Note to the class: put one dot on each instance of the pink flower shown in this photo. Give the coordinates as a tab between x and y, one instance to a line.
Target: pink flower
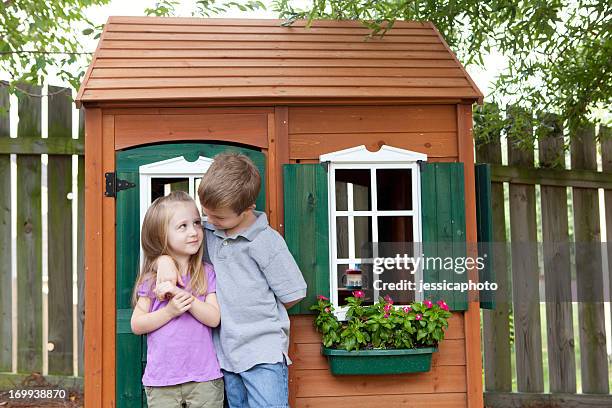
321	297
388	299
359	294
327	309
442	305
387	308
407	309
386	315
428	304
418	316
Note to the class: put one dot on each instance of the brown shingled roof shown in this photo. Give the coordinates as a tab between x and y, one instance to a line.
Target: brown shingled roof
155	58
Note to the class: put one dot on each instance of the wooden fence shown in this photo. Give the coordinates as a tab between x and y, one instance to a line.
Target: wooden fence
38	314
41	326
560	278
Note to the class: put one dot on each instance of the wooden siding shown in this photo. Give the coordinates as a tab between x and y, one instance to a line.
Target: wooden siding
314	386
153	58
429	129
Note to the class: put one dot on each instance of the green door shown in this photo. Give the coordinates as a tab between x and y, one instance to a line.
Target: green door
131	349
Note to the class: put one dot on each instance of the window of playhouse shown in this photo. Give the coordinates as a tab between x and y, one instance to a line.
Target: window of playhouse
374	214
162	186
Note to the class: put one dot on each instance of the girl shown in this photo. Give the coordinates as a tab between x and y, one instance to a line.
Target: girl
182	368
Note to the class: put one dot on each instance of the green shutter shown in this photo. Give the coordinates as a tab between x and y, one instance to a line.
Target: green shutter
307	228
443	226
484	220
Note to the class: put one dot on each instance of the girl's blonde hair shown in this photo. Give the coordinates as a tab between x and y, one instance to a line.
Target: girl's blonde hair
154	241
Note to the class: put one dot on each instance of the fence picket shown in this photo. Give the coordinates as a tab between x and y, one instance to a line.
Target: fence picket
496	322
593	357
605	136
29	231
6	296
60	229
557	274
525	274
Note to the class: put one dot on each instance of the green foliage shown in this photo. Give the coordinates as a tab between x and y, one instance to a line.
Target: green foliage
37	35
382	326
558	51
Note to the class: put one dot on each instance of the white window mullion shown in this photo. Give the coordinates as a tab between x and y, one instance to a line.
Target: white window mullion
333	275
416	227
351	221
374	189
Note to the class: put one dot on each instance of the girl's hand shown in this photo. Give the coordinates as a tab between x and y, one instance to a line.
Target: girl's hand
179	304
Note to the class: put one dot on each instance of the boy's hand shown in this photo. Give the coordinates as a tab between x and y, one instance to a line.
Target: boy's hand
167	272
163	289
179	304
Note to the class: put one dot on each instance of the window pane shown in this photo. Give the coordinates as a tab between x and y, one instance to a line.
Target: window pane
394	189
363	237
162	186
393	277
397	280
345	291
359	181
395	229
342	243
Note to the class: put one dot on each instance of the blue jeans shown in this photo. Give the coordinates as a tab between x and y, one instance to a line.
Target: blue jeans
262	386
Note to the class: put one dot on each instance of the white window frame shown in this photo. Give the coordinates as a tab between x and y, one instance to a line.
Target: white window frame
360	158
176	167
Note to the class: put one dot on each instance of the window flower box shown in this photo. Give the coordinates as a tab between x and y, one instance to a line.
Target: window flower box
388	361
381	338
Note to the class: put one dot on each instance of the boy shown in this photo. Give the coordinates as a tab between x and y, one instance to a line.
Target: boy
257	280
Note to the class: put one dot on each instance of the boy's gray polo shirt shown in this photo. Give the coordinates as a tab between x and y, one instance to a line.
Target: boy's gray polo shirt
256	274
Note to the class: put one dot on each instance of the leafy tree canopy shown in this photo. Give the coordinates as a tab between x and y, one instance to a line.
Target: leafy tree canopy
559	52
38	35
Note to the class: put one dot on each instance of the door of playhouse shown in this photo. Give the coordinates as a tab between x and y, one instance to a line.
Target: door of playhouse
154	171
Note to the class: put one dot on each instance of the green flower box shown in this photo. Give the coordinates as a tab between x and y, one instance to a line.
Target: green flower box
390	361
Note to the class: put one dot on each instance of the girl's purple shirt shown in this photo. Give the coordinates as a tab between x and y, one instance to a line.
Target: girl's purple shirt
182	350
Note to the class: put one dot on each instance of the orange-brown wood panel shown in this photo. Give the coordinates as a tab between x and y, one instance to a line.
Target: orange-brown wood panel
167	109
281	138
307	356
94	193
236	81
133	130
274	54
373	119
248	43
272	170
183	72
321	383
108	269
259	93
246	62
100	263
311	146
472	315
437	400
263	38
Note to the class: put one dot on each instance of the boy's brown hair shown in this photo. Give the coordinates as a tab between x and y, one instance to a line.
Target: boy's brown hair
232	181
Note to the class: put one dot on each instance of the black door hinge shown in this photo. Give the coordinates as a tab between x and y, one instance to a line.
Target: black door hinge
113	184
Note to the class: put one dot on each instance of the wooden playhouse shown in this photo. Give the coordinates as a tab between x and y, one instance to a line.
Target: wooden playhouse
387	123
